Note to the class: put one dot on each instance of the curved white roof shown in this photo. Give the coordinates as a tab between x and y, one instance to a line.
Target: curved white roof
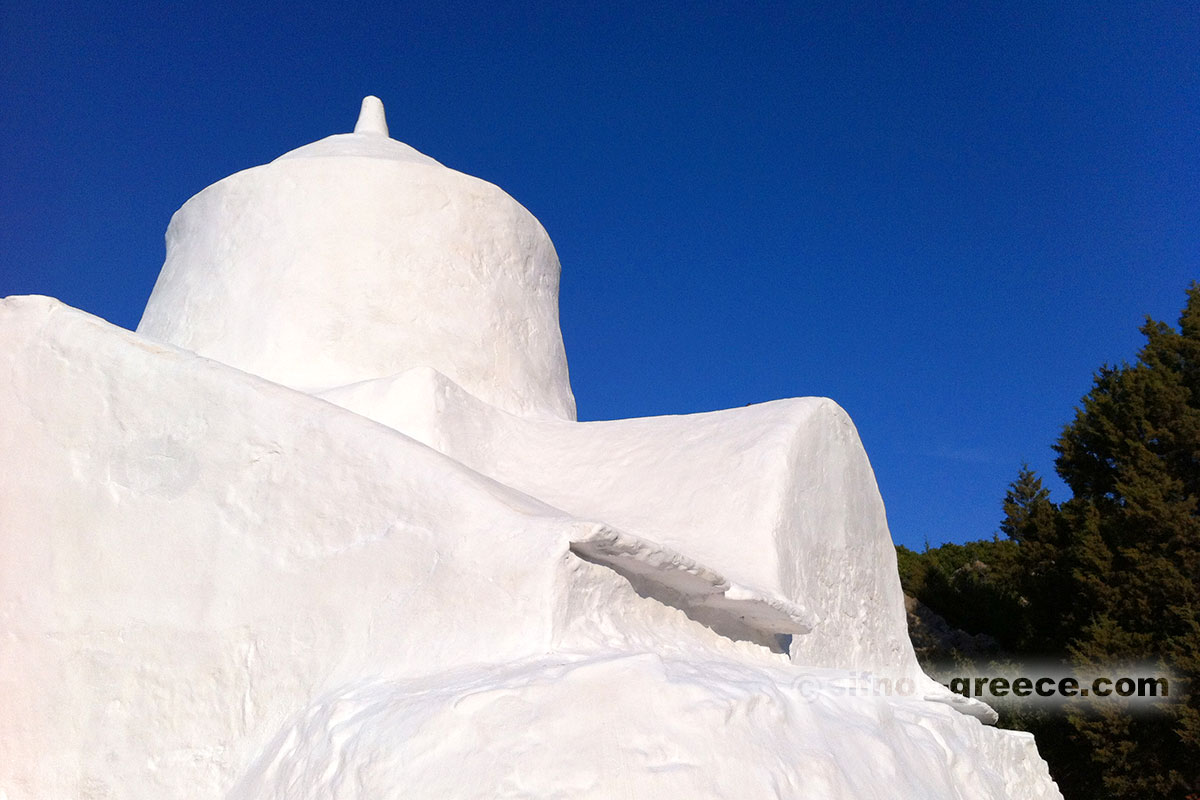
369	140
357	257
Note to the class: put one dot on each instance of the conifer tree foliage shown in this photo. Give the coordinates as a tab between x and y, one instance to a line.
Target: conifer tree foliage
1109	577
1043	568
1131	541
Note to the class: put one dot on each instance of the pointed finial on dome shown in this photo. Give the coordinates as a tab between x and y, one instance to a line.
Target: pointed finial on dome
371	118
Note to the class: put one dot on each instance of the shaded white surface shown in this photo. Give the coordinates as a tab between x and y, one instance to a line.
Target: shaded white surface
371	117
703	591
219	556
213	585
778	496
639	727
375	259
211	550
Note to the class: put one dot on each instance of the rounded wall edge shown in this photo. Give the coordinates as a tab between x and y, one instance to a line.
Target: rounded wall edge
321	272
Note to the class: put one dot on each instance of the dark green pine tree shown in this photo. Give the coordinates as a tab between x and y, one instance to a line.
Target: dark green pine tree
1113	574
1051	605
1045	568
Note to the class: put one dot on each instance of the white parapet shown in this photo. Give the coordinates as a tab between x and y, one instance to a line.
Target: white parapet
780	497
189	553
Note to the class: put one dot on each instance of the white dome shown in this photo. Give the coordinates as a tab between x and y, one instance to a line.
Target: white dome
357	257
369	140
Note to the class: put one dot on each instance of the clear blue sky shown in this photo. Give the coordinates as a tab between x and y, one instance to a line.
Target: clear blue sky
945	219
